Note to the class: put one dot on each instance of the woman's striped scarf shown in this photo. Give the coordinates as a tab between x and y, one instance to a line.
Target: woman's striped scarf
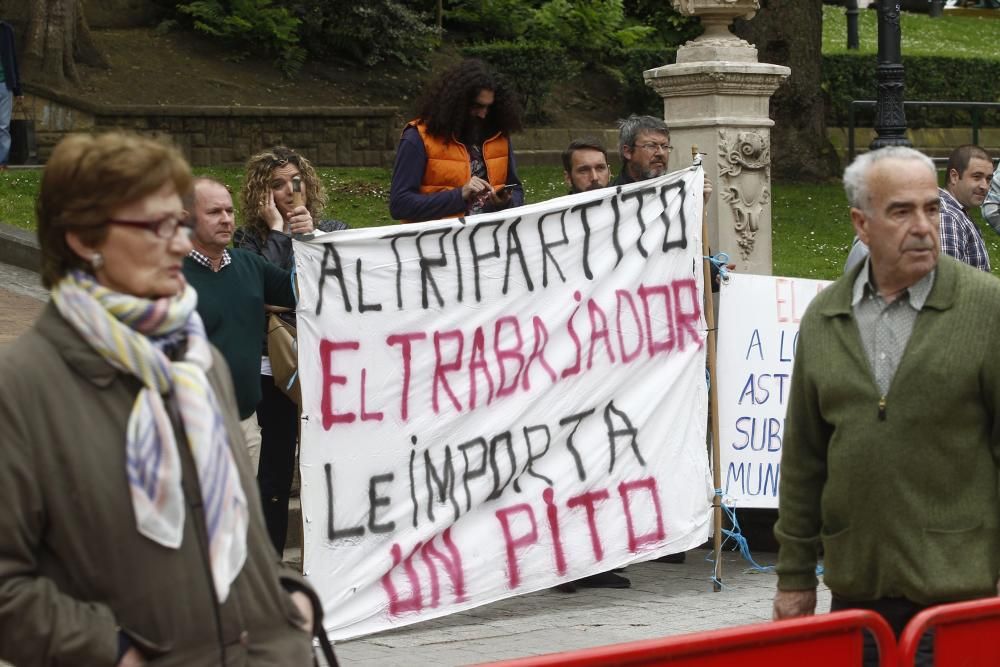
125	330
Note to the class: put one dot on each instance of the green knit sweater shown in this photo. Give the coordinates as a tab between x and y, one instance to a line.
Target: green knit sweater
904	501
231	304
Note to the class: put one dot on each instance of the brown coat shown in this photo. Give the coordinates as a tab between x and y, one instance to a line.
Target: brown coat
73	568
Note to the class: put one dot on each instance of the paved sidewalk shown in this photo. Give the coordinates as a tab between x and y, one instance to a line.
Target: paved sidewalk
21	300
664	600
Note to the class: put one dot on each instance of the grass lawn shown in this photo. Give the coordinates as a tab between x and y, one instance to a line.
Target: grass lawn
954	36
811	228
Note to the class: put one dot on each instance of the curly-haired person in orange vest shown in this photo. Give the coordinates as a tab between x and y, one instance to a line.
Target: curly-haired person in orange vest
456	156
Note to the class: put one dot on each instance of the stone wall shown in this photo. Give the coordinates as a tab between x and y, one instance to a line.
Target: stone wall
329	136
350	136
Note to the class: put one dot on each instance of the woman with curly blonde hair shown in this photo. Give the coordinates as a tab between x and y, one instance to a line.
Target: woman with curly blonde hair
271	218
266	196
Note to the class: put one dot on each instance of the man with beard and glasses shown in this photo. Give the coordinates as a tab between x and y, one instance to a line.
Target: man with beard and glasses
644	145
455	158
890	456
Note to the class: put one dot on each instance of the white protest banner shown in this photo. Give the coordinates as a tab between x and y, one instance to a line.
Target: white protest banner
495	405
758	331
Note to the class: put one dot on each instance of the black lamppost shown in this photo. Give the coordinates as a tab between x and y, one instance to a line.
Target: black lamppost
890	117
851	10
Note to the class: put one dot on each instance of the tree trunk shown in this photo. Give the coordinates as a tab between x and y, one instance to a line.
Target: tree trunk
58	36
790	33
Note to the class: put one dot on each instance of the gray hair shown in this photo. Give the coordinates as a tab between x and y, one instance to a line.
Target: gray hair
629	128
856	174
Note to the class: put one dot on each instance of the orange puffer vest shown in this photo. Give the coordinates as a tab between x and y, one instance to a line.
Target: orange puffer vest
448	161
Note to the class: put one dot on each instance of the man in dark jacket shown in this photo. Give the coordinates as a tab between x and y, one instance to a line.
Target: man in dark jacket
10	88
644	145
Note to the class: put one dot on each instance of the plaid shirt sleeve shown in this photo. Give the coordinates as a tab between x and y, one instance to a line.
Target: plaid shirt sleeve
991	207
960	237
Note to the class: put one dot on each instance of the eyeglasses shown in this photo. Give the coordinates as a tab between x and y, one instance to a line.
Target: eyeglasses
165	228
652	147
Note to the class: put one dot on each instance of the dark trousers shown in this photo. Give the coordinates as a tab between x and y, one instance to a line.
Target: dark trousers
898	612
278	417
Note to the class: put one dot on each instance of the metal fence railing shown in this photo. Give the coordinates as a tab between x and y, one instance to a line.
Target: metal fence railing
974	108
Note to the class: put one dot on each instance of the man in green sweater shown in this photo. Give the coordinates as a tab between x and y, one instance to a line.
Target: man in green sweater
892	437
233	288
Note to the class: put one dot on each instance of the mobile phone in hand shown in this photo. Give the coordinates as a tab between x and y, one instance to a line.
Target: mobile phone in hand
298	197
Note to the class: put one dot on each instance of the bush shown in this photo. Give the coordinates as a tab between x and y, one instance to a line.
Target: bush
250	25
489	20
366	32
637	96
672	27
557	38
588	31
853	77
529	69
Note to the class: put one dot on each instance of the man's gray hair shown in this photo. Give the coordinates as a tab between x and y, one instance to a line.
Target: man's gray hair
856	174
629	128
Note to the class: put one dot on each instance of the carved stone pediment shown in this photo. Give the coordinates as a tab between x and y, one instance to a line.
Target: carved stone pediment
745	178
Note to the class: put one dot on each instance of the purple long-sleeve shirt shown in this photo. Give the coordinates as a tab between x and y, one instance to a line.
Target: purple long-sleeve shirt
405	199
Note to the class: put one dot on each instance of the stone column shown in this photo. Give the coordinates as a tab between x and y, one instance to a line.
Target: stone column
716	97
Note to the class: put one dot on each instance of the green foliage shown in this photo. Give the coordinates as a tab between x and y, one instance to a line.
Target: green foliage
250	25
488	20
812	232
366	32
672	27
530	69
637	96
548	40
811	226
947	58
18	191
847	77
956	36
589	30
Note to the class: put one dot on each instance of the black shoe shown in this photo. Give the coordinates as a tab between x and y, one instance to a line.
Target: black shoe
568	587
671	558
604	580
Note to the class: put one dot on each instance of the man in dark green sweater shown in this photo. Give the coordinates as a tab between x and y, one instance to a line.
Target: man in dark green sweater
892	436
233	288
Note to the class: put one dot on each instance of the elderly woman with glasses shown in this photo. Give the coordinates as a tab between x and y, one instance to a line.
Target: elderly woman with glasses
131	530
281	197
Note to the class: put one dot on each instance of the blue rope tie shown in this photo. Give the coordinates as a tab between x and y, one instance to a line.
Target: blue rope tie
743	546
720	262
